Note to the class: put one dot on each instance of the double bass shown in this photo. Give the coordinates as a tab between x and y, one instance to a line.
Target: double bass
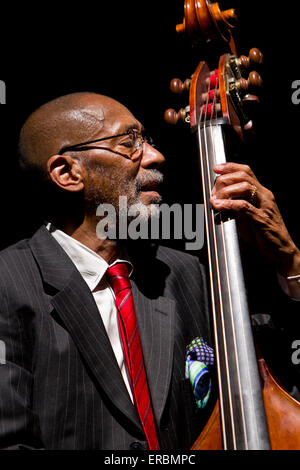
253	411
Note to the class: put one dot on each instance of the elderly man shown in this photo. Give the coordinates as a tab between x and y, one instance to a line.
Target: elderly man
96	333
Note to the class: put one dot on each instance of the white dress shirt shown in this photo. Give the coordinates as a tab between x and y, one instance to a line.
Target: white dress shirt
93	267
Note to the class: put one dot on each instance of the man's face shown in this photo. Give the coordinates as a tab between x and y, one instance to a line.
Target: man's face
114	167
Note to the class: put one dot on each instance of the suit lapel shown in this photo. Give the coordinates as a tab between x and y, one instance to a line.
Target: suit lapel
75	306
155	318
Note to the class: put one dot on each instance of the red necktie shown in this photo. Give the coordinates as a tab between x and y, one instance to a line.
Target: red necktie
119	279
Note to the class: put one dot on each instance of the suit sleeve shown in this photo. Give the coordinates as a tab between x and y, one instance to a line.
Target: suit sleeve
18	424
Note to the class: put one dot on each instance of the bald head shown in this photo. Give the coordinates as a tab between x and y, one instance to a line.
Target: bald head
64	121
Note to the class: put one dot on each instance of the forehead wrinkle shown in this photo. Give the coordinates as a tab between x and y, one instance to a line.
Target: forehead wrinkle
120	127
118	118
88	122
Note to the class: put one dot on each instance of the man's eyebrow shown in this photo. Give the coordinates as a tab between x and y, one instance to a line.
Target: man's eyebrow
133	127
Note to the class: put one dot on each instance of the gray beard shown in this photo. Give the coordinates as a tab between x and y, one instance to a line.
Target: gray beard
134	207
97	196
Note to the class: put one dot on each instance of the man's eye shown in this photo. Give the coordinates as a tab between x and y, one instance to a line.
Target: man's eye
128	143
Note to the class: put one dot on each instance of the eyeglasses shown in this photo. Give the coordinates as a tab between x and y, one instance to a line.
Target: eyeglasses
134	144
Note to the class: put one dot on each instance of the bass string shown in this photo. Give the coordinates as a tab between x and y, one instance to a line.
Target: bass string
210	238
213	259
209	161
237	357
233	329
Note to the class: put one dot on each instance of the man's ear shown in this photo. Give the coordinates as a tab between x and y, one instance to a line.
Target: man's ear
66	172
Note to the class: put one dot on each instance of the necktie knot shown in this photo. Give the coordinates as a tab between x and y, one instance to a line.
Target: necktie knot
118	276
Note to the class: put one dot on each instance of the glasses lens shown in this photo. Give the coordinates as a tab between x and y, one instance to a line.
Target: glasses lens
138	143
137	139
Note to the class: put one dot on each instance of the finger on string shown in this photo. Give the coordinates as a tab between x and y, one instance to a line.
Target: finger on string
232	178
240	190
236	205
229	167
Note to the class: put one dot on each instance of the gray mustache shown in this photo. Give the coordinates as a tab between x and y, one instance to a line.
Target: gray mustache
149	177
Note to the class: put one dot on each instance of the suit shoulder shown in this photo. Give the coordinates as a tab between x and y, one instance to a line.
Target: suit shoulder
14	250
13	259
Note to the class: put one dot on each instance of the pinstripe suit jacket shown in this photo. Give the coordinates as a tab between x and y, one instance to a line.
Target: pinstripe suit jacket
61	387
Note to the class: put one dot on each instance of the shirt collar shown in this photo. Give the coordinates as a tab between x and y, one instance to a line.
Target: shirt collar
91	266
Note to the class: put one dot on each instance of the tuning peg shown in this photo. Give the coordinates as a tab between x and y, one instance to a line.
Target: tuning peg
178	87
253	83
180	28
255	57
229	15
172	117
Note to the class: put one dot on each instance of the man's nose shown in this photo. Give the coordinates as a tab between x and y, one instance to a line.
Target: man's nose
151	158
